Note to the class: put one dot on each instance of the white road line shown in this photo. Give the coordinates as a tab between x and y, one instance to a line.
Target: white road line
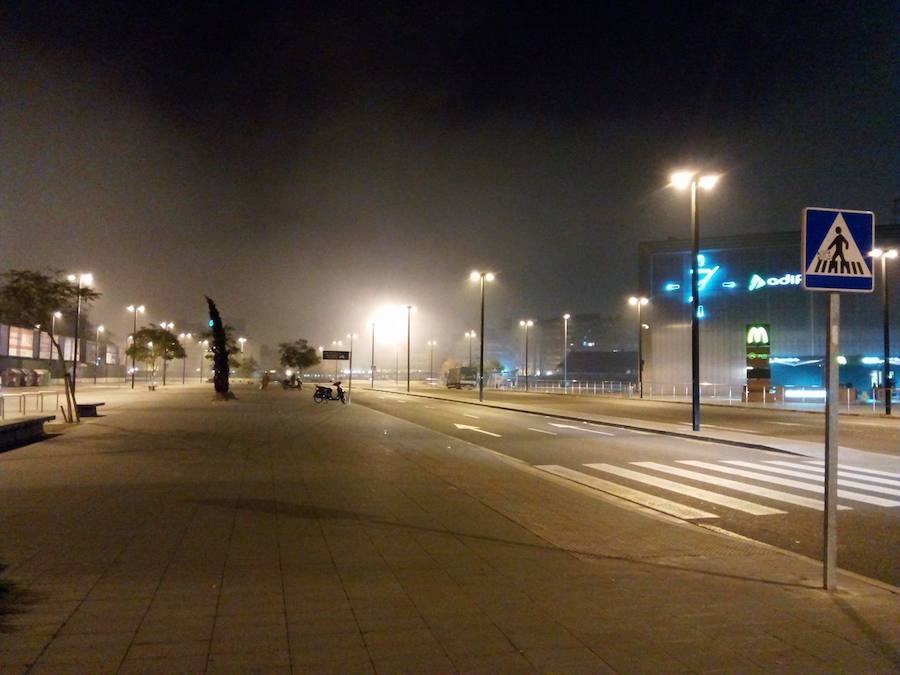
809	487
629	494
857	468
474	417
696	493
777	495
542	431
841	474
743	431
800	474
477	429
577	428
789	424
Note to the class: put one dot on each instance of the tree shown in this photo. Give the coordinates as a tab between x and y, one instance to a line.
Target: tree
30	298
221	352
231	344
152	343
248	367
297	355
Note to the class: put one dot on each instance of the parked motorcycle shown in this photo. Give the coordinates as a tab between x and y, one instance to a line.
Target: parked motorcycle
323	393
291	382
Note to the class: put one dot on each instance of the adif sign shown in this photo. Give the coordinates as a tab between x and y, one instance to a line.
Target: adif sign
757	282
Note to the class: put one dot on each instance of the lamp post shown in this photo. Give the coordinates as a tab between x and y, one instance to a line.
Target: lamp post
470	334
53	318
350	337
84	279
241	341
431	343
526	324
165	326
683	180
372	370
409	310
100	329
203	347
481	277
885	308
135	310
639	302
336	343
566	318
184	337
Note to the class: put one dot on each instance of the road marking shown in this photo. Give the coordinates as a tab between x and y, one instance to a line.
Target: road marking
543	431
480	431
474	417
809	487
789	424
697	493
743	431
577	428
802	474
629	494
841	474
859	469
757	490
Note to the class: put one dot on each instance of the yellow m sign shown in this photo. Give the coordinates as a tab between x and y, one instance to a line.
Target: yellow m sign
758	335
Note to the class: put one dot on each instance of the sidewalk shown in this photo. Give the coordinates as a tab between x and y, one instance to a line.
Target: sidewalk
273	535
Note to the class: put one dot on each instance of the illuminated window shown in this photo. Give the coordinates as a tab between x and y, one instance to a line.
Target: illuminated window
21	342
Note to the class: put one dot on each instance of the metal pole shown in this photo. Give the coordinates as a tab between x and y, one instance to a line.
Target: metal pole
408	325
526	357
431	367
97	358
566	354
481	350
886	375
640	353
350	379
469	335
133	348
695	309
75	351
372	372
831	441
183	367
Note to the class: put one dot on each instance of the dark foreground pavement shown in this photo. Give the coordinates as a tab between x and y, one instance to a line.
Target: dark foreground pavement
274	535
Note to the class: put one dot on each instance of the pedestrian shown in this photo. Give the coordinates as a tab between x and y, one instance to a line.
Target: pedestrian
264	382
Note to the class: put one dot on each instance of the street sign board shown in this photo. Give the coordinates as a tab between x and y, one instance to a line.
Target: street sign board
835	250
335	356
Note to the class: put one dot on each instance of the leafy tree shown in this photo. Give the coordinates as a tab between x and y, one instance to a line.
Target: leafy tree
297	355
29	298
492	366
154	343
221	353
231	345
248	367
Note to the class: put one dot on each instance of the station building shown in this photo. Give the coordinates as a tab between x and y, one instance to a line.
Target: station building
750	285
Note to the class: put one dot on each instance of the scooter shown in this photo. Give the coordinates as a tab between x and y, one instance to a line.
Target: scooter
323	393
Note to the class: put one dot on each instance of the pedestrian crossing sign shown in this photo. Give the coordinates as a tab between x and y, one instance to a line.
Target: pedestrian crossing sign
836	245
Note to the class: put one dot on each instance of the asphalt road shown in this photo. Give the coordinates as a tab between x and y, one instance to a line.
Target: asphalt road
767	496
871	433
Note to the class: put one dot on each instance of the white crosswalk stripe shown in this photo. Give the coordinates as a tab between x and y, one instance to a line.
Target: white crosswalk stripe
788	482
737	486
842	477
818	470
858	469
690	491
630	494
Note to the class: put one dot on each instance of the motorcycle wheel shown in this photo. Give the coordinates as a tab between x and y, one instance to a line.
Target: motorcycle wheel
317	398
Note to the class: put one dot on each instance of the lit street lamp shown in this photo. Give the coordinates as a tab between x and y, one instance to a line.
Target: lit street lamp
350	337
204	347
165	326
242	340
566	318
886	368
135	310
53	318
481	277
84	280
639	302
683	180
470	334
432	343
100	329
526	324
336	343
372	371
184	337
409	310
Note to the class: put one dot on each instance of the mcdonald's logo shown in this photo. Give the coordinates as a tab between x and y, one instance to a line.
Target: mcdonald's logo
758	335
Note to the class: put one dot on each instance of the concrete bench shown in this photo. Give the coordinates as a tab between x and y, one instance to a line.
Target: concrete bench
88	409
21	431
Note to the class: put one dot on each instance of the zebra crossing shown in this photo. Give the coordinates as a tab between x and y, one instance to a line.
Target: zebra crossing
870	487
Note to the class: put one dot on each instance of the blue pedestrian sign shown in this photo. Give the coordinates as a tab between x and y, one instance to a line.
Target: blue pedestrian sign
836	245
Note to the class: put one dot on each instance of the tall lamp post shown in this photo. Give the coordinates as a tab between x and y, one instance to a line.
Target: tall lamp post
481	277
84	280
469	335
638	303
53	318
338	344
431	344
165	326
885	308
682	180
409	310
350	337
100	329
372	367
566	318
135	310
241	341
204	345
526	324
184	337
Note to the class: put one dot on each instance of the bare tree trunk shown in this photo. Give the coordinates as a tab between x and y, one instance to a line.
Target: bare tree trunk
71	403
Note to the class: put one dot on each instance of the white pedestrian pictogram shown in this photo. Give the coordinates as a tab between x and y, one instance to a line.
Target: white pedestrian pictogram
838	254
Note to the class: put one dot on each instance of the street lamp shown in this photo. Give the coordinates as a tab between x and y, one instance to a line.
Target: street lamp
184	337
100	329
204	346
470	334
639	302
432	343
135	310
84	279
165	326
886	372
242	340
409	310
53	318
372	369
481	277
336	343
566	318
350	337
682	180
526	324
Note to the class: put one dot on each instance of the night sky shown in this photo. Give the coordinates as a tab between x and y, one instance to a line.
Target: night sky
303	163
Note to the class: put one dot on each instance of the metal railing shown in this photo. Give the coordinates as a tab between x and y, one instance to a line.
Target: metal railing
37	399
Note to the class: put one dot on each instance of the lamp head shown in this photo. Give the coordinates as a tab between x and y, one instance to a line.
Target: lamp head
100	329
57	315
891	254
567	316
708	182
682	179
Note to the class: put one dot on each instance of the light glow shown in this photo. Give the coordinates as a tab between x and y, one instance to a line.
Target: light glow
682	179
803	393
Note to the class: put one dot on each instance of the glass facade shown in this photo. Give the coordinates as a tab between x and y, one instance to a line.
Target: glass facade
21	342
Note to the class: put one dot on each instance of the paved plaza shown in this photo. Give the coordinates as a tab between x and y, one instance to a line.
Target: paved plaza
274	535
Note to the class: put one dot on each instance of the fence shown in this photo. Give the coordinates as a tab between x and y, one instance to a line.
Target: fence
38	400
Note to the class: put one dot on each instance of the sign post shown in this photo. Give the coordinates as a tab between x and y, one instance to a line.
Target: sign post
834	261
